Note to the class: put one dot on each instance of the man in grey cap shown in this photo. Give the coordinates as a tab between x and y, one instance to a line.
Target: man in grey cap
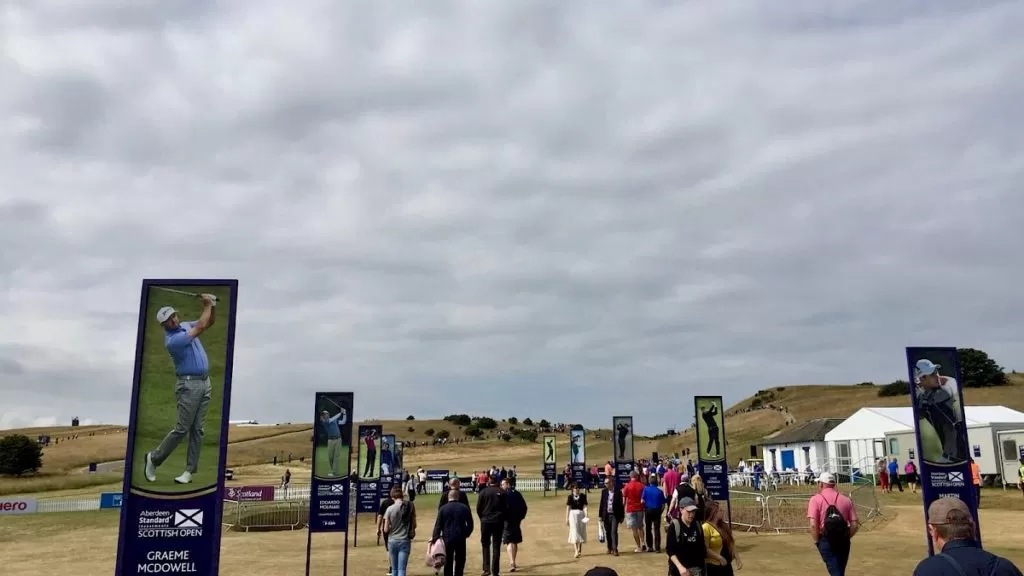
193	389
953	533
938	402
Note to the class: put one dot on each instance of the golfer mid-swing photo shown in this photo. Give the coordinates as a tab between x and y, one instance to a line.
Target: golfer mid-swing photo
708	415
332	427
192	388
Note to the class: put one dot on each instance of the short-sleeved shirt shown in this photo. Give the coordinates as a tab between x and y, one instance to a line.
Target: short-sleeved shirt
401	527
186	352
632	493
576	503
712	538
384	505
820	502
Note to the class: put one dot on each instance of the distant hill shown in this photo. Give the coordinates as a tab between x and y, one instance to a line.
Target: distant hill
750	420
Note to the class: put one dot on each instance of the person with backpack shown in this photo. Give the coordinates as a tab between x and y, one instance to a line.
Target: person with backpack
400	526
684	542
833	522
952	530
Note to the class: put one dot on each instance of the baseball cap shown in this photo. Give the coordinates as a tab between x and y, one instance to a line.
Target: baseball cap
826	478
687	504
164	313
949	511
926	367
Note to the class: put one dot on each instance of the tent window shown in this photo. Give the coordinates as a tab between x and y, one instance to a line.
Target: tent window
1010	450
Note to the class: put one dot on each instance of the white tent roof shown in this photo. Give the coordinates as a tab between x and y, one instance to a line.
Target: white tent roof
870	423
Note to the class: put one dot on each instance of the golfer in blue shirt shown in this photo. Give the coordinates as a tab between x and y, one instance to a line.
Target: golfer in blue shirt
332	426
653	499
192	390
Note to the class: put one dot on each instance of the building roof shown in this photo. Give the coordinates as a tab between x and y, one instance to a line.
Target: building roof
810	431
877	422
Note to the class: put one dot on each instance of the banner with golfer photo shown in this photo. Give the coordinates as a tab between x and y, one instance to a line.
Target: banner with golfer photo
178	427
622	448
332	447
940	427
711	459
387	463
577	455
548	458
368	487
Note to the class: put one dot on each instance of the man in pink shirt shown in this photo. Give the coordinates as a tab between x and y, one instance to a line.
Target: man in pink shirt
669	482
832	522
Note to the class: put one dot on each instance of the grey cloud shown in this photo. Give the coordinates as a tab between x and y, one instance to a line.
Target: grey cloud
524	201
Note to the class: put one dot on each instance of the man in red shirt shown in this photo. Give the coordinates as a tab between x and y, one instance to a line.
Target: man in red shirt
632	493
832	522
669	482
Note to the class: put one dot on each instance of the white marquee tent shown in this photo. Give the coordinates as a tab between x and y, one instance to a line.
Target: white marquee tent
860	439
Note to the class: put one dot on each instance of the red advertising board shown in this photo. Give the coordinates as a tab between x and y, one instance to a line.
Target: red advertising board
249	493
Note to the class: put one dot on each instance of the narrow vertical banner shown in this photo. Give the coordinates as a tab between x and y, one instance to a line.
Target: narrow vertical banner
332	447
368	488
548	461
578	454
711	458
387	464
178	428
940	426
622	448
399	458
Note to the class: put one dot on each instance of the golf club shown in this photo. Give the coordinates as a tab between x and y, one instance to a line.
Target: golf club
182	292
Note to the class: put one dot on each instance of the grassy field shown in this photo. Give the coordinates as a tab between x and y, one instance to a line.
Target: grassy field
47	543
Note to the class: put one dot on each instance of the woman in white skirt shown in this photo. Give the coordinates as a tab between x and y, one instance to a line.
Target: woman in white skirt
576	518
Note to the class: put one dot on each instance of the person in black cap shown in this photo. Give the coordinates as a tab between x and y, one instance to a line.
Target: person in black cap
684	542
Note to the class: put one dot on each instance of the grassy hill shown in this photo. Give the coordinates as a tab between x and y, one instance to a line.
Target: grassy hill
750	420
254	447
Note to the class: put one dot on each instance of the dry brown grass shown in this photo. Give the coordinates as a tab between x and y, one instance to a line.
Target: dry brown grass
47	543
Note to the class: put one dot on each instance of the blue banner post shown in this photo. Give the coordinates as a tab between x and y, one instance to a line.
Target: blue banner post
548	463
936	394
622	445
711	448
173	481
368	479
578	455
331	484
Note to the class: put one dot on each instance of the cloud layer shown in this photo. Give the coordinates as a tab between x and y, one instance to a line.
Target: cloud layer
517	209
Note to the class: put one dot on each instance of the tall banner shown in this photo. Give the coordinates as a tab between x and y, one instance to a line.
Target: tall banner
938	401
548	461
711	458
622	432
387	464
368	487
178	428
399	458
578	454
332	445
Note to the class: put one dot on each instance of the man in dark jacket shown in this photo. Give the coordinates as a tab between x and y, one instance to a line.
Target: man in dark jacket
453	484
454	525
951	527
491	509
515	513
611	511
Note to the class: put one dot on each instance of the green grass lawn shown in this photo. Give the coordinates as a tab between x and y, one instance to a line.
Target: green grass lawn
321	467
157	412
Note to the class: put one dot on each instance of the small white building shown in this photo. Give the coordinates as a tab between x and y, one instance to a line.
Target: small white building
873	433
798	447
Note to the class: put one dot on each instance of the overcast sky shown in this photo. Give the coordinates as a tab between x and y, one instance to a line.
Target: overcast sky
552	209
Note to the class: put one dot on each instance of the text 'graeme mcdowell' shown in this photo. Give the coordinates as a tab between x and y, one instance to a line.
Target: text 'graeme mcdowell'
168	562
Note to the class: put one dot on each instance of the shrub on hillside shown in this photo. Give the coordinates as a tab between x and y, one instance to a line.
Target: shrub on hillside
513	420
896	388
544	424
20	455
473	431
756	403
410	417
978	370
442	434
866	384
411	429
485	423
527	422
429	431
528	435
780	389
459	419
